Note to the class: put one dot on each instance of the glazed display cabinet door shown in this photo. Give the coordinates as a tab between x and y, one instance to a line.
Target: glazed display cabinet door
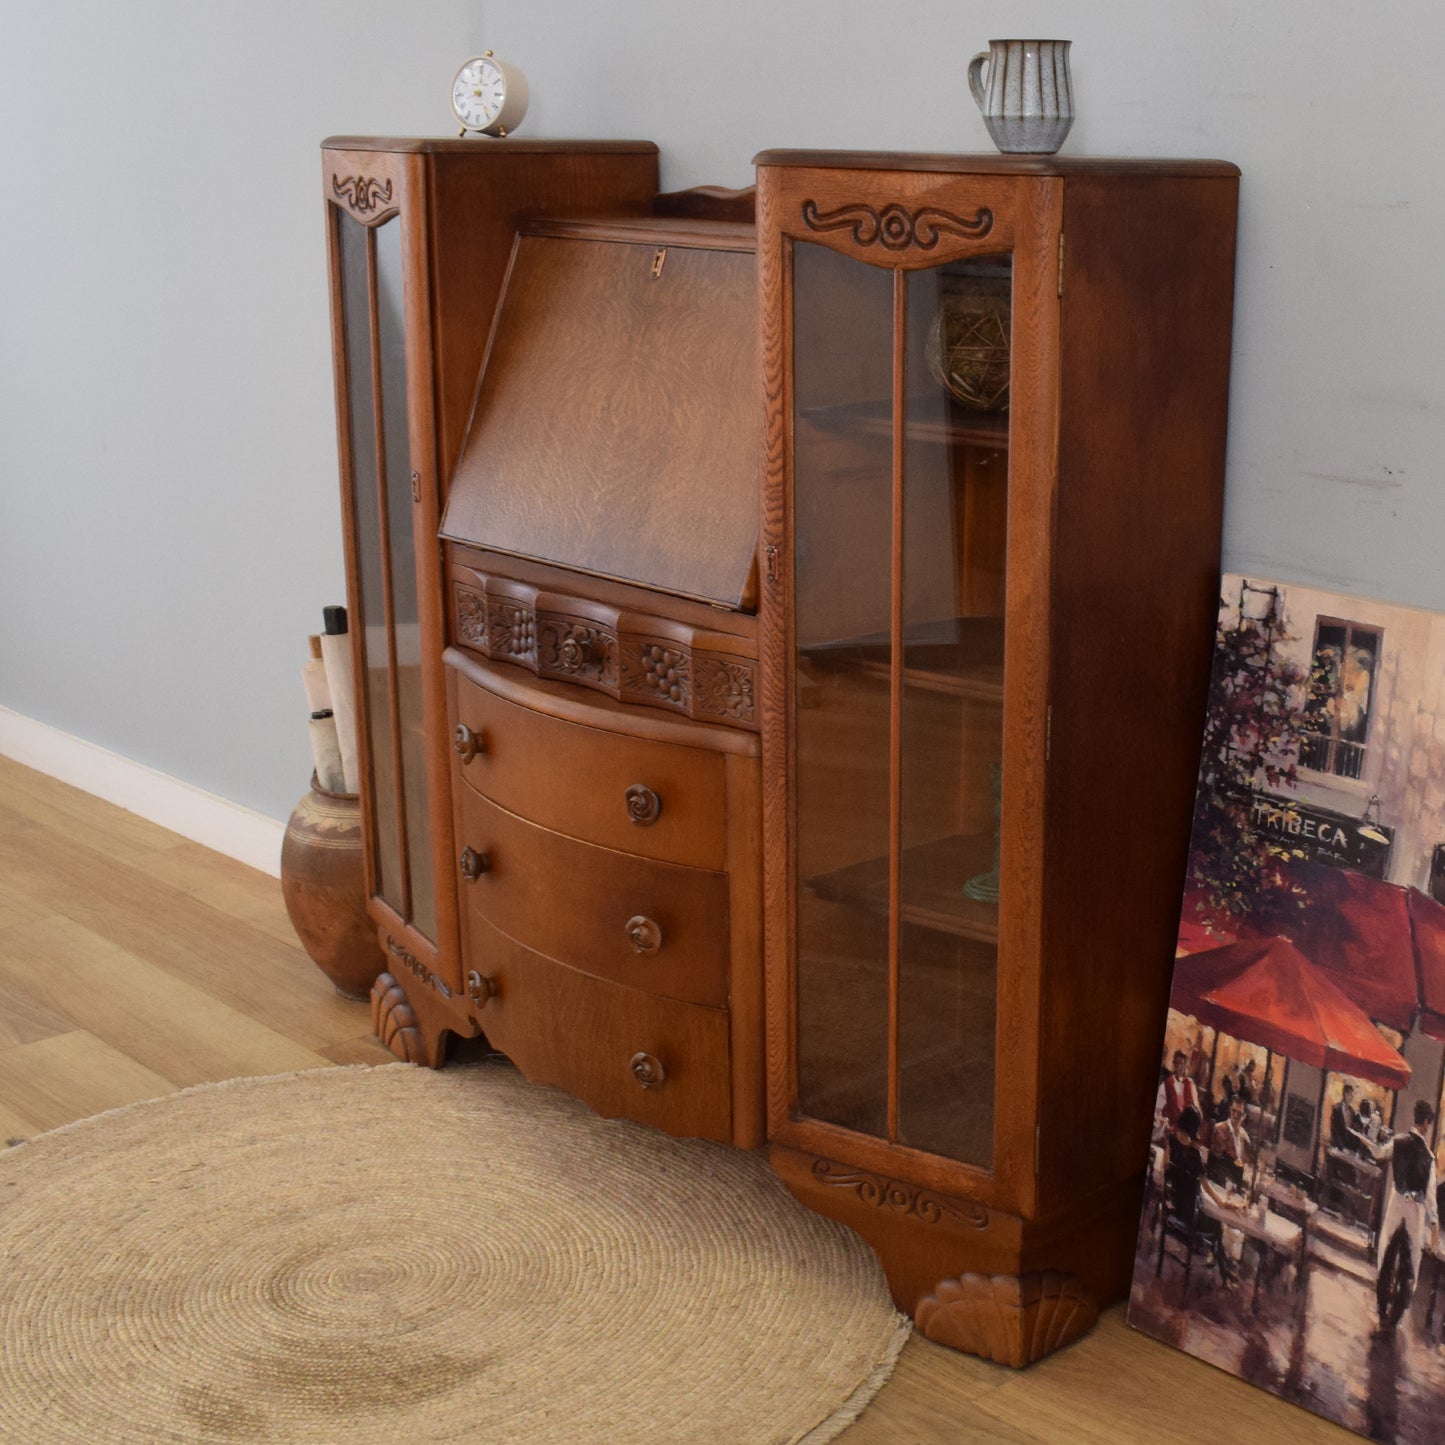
903	556
899	580
374	317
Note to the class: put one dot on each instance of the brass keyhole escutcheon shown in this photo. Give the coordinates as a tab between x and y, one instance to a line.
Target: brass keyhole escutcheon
648	1071
643	934
474	864
644	807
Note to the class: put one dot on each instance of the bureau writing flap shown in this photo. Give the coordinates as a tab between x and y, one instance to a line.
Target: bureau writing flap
617	422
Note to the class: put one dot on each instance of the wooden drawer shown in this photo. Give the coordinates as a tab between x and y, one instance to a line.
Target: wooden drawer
653	926
654	799
585	1035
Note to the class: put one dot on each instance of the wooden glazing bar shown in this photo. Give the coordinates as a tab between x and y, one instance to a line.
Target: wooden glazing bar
895	697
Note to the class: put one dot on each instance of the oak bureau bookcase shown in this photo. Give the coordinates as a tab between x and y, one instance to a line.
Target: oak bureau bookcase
784	633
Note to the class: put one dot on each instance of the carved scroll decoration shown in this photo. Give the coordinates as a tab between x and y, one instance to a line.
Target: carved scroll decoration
1013	1319
362	194
416	967
901	1198
895	227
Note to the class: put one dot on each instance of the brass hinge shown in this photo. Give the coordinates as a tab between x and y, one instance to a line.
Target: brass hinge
1048	732
1061	263
771	552
416	486
658	262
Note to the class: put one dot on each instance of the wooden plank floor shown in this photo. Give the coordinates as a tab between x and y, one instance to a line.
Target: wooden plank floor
134	962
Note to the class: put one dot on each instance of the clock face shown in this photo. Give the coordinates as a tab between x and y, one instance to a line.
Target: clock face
479	92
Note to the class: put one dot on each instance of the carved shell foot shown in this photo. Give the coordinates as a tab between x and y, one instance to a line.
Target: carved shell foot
394	1022
1013	1319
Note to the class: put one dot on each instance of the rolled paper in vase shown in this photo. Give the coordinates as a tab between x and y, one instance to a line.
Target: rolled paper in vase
336	654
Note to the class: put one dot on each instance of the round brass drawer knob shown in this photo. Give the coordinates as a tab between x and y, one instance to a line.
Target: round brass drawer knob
467	743
648	1071
644	807
474	864
480	988
643	934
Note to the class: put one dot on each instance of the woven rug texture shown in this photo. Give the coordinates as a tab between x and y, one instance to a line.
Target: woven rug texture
395	1254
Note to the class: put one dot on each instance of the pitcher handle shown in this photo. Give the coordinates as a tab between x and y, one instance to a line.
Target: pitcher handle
975	84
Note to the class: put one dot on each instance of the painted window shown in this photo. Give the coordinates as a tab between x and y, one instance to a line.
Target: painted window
1341	697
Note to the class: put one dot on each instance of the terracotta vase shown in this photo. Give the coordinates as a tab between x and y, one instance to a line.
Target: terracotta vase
325	891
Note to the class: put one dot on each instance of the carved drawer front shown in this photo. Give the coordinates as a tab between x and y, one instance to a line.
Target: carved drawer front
654	926
657	800
624	1052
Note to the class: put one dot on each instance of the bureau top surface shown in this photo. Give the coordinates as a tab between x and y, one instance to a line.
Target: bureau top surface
995	165
455	145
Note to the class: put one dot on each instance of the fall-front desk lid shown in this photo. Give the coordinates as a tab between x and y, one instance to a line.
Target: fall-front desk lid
617	420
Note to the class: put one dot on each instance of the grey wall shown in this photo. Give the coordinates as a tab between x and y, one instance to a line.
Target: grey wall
168	517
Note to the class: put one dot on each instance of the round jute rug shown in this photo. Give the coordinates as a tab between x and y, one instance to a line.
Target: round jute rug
396	1255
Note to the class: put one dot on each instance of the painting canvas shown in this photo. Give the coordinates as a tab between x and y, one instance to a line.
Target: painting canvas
1290	1229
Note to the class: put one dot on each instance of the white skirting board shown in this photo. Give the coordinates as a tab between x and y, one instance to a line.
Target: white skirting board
200	816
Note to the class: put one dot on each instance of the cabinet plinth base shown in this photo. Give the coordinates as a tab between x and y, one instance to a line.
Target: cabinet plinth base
977	1278
1010	1319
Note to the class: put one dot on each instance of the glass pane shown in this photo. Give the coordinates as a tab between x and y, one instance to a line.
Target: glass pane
842	509
361	423
951	731
402	543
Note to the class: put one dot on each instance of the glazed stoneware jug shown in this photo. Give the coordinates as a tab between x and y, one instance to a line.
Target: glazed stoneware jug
1027	99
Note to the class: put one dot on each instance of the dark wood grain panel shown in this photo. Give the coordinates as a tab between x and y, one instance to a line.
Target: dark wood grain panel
1144	357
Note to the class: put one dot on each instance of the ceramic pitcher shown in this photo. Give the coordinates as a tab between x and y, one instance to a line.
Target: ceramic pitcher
1027	100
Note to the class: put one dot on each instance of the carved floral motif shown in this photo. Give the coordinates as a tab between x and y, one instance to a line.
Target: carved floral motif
661	673
895	227
577	650
725	689
472	618
901	1198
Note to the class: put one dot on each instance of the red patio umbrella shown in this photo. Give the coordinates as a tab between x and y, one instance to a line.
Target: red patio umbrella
1265	991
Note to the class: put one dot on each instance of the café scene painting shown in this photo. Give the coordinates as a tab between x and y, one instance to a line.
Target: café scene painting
1291	1231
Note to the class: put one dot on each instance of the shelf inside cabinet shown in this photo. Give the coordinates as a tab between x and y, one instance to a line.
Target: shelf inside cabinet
962	657
874	417
933	875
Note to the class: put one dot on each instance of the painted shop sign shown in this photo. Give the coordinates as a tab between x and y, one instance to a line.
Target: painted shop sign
1324	836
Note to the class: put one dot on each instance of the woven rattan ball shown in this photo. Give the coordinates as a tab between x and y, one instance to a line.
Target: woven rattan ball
968	348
